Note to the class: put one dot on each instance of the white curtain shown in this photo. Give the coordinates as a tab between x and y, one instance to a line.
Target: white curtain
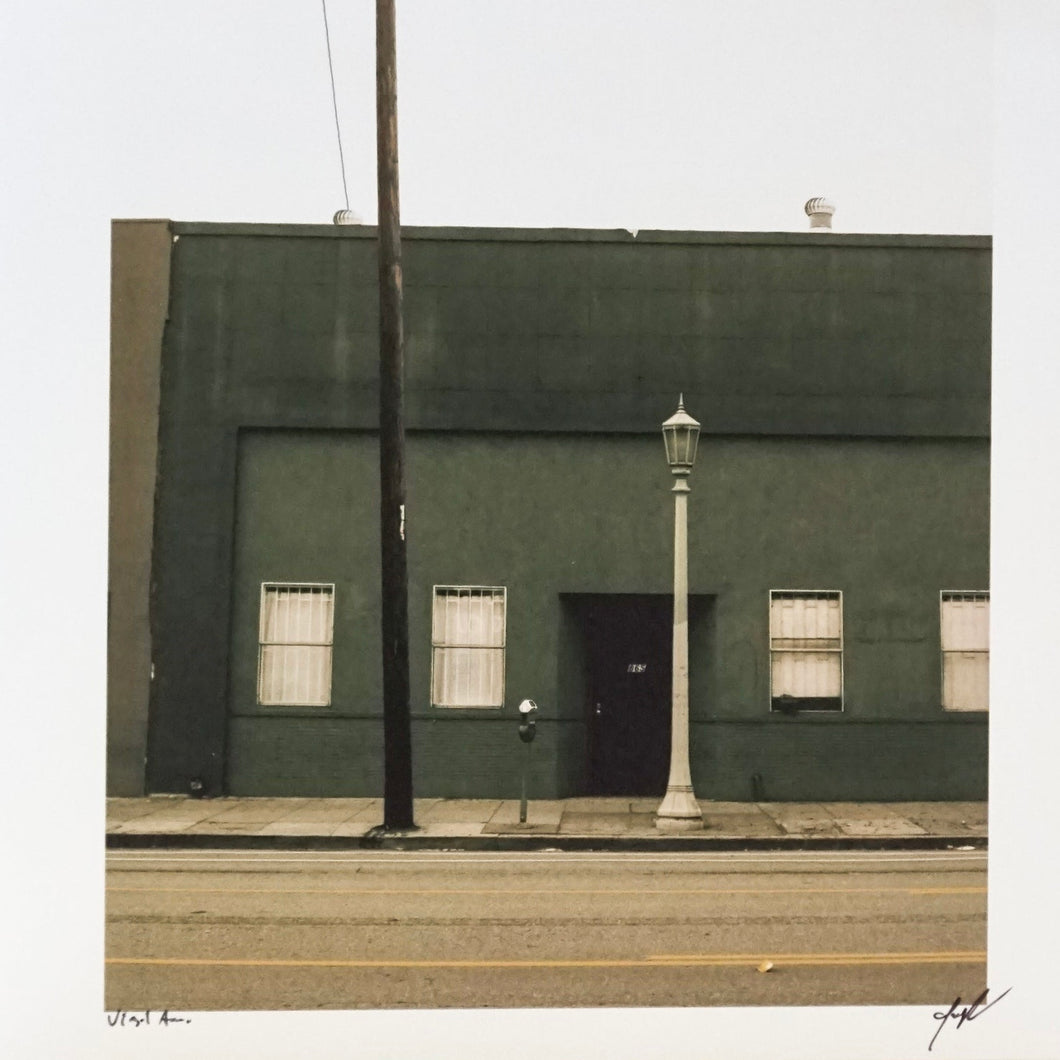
806	641
468	647
966	651
294	664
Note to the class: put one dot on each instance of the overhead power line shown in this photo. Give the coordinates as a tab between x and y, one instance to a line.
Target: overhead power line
335	104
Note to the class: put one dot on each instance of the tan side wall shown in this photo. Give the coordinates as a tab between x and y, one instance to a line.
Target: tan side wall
139	307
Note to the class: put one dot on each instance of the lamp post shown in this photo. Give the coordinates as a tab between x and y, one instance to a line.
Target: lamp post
679	811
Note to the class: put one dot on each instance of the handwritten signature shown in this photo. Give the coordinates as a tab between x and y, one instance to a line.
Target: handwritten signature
122	1018
967	1014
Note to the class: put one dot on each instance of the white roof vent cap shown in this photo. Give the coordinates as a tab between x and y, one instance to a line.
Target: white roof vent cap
347	217
820	212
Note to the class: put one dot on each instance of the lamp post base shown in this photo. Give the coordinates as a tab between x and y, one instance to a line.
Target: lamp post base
679	812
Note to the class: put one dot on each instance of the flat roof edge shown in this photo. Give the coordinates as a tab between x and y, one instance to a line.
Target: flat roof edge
584	235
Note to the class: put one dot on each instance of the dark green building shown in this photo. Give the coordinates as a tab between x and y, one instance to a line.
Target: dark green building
838	520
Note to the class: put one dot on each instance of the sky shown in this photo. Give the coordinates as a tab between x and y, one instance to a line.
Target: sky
933	116
670	114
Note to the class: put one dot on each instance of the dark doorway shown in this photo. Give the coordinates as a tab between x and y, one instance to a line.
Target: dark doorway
629	656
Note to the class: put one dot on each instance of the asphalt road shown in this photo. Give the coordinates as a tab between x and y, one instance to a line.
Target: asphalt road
196	931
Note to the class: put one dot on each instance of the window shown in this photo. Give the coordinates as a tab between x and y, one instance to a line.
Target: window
965	619
467	646
806	650
294	645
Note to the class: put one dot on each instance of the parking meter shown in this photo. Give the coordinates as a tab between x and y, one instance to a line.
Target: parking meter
527	720
527	732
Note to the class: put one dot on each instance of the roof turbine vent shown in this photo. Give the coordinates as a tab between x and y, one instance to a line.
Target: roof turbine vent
347	217
820	212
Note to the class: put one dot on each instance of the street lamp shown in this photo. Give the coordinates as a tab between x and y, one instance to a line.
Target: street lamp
679	811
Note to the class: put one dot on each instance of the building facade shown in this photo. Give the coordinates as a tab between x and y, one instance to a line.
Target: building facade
838	519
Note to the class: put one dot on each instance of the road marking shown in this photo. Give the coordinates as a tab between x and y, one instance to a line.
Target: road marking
947	890
413	858
823	959
719	960
544	893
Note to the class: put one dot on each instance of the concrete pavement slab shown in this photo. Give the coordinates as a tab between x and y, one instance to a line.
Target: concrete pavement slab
600	804
870	819
329	814
183	808
174	819
873	826
801	818
531	827
740	824
955	818
863	809
642	824
325	811
596	823
724	808
302	828
420	805
119	809
212	827
460	811
450	829
739	818
263	810
542	815
357	826
370	810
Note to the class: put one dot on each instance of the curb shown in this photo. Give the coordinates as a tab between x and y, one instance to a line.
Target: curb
511	843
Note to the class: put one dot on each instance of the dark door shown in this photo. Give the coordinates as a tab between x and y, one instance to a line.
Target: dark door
629	653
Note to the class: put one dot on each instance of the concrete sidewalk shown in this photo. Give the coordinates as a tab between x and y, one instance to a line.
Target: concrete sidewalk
572	824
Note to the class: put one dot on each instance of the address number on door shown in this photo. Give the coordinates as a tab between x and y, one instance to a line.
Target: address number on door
636	668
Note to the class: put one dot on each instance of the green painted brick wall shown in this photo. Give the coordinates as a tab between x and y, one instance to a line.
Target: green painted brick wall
884	521
843	374
524	330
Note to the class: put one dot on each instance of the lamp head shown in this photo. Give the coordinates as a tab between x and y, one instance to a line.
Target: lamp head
528	706
681	436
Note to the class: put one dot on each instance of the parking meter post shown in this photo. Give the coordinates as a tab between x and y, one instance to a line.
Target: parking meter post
527	731
522	800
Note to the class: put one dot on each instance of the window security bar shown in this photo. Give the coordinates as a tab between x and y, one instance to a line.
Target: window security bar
295	643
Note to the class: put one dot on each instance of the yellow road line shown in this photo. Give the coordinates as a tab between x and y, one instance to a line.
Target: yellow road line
823	959
946	890
546	893
692	960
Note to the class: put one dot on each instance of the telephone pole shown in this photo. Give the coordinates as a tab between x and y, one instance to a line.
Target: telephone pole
397	735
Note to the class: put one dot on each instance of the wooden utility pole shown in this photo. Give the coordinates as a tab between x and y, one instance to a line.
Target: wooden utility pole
397	735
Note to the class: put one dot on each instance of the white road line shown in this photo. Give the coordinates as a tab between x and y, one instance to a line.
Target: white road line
397	858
